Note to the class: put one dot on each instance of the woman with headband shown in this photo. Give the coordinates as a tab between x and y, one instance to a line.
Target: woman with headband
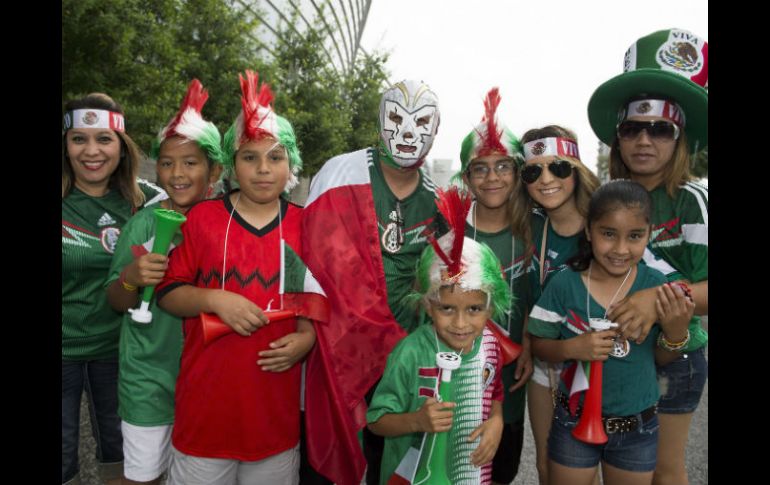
654	116
100	192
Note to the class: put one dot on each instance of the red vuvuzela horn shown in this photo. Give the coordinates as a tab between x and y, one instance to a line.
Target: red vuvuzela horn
590	428
214	327
510	349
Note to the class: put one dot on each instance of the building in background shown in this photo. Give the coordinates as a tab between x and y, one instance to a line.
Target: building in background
339	22
440	171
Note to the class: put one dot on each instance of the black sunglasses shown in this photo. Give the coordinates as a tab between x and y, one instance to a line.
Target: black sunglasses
660	129
560	168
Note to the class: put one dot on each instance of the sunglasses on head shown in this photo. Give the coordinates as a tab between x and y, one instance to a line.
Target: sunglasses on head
660	129
559	168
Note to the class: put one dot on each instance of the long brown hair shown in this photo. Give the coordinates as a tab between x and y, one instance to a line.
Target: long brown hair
521	204
675	174
123	178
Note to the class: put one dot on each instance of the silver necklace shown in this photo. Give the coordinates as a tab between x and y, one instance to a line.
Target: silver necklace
619	349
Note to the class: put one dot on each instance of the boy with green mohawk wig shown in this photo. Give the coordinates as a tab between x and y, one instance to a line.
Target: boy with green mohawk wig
460	285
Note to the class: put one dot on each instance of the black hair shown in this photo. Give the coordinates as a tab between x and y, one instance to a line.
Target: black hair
609	197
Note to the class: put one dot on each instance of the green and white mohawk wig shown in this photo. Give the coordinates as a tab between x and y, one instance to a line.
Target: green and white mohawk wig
189	123
454	259
490	137
257	120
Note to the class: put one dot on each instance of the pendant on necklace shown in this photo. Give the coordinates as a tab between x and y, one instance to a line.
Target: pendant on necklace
620	348
393	235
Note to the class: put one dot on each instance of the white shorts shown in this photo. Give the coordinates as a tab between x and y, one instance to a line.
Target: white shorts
280	469
146	451
540	374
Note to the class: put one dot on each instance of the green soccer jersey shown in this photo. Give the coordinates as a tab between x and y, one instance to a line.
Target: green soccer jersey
149	352
502	244
559	249
90	229
400	224
679	242
629	384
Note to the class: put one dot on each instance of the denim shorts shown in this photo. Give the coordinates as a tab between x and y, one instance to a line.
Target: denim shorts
634	451
681	383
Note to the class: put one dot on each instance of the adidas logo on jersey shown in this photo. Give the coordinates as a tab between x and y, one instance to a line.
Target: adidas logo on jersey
105	220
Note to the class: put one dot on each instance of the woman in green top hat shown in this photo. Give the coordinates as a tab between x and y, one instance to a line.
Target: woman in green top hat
654	116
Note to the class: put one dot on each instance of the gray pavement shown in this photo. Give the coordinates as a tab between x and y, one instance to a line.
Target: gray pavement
697	449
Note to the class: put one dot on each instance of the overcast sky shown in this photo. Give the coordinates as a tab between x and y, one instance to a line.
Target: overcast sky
547	57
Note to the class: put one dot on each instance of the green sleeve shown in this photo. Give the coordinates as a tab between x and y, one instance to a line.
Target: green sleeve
694	213
392	395
548	314
133	232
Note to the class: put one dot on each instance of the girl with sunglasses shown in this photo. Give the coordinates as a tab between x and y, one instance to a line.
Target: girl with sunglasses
662	107
548	208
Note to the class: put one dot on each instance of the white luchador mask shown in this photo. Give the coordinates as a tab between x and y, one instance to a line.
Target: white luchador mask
409	119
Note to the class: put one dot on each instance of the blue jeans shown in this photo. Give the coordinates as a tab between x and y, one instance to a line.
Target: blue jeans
635	451
99	378
681	383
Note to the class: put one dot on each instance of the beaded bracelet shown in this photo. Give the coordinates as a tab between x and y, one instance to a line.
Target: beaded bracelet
663	343
683	286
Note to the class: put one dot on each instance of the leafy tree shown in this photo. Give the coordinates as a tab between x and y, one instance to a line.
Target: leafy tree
700	163
363	90
603	162
143	53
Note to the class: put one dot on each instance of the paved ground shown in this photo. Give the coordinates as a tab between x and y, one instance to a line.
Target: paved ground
697	450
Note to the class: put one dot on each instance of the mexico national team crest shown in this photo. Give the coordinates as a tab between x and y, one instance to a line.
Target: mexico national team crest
488	375
393	235
109	238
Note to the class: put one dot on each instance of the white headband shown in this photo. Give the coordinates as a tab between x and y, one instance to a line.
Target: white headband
94	118
544	147
654	107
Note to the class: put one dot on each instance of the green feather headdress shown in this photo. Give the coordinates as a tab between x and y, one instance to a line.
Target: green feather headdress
189	123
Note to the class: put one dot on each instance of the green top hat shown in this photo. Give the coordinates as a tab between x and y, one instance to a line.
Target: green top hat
670	64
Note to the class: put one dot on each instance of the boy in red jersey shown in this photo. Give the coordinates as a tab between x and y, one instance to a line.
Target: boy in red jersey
237	408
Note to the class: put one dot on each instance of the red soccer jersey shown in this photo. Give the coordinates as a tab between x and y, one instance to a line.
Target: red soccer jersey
226	406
